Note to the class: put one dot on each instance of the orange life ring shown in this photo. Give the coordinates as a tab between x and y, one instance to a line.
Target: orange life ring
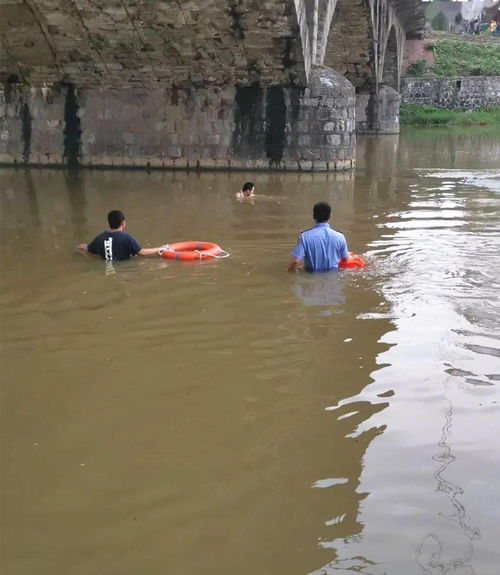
191	251
353	261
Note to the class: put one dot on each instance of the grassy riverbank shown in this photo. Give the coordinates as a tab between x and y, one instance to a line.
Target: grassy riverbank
457	56
465	58
416	115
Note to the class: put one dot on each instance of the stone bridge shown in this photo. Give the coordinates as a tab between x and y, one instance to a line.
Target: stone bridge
282	84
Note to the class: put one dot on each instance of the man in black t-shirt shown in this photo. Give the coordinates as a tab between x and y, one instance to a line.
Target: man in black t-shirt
117	244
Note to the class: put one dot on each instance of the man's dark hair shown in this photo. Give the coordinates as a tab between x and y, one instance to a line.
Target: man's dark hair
247	187
322	212
115	218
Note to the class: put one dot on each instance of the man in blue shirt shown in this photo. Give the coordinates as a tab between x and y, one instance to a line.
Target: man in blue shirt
320	247
117	244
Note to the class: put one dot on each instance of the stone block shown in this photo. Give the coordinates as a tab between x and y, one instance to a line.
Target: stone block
236	163
220	151
322	113
207	163
309	102
207	153
306	114
213	139
317	140
168	163
333	140
302	126
261	164
128	138
320	166
174	152
180	162
155	162
192	152
330	102
226	139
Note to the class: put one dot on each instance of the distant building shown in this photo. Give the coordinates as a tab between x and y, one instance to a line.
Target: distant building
445	17
453	16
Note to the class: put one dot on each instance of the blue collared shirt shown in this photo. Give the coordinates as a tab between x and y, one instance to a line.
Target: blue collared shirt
321	248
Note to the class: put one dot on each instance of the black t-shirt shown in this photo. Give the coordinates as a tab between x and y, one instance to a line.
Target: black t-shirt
114	245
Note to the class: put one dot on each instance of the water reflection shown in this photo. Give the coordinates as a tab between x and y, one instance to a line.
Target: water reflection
319	289
442	554
32	199
75	186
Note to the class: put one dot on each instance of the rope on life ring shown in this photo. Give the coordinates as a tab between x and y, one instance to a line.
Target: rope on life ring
192	251
353	261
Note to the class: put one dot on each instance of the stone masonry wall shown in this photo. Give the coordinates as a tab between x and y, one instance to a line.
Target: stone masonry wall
378	113
32	125
127	43
467	93
217	127
323	130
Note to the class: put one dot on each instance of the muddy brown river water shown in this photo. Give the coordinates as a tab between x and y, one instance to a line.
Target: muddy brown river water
227	417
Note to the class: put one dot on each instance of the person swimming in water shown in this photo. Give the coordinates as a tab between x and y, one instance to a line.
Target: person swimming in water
247	191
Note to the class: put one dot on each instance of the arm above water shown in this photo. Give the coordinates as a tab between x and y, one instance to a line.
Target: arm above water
344	253
137	250
82	248
293	265
298	255
151	251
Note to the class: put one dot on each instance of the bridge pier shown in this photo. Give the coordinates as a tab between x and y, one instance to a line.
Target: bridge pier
323	137
251	127
378	113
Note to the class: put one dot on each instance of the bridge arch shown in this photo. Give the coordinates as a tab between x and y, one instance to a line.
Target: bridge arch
129	43
365	43
349	46
391	69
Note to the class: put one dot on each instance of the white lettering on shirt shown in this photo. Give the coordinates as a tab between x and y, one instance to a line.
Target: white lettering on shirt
108	249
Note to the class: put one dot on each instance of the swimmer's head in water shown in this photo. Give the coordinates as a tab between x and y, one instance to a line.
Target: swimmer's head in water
247	189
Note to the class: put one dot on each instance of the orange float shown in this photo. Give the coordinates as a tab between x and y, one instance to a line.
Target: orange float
191	251
353	261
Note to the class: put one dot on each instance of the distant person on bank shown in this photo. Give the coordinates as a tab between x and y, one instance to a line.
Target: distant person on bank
247	191
320	248
116	244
